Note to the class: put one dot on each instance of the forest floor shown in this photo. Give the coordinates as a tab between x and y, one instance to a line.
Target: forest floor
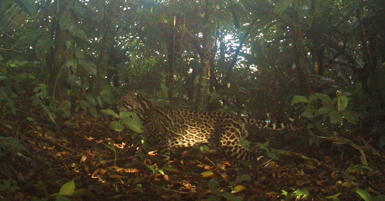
86	160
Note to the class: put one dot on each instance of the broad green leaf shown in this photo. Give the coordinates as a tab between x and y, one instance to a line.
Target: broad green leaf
73	64
84	193
91	99
245	143
107	95
348	115
93	111
322	111
28	6
299	99
80	34
280	8
213	185
74	81
24	76
84	104
116	126
364	194
308	114
335	117
134	124
79	53
128	114
65	23
2	77
43	46
272	155
342	102
89	67
379	198
13	143
62	198
50	115
323	97
68	188
111	147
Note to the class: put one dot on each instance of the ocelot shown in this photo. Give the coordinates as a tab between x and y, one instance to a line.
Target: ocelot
167	129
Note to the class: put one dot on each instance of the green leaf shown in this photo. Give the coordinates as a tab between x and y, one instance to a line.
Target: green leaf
65	23
110	147
272	155
79	53
68	188
12	143
280	8
116	126
379	198
84	193
308	114
91	99
135	123
89	67
303	193
322	111
84	104
43	46
348	115
93	111
28	6
364	195
73	64
110	112
62	198
323	97
299	99
80	34
74	81
342	102
50	115
335	117
286	194
213	185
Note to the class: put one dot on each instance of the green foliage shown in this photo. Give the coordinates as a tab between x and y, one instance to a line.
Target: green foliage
217	195
320	107
299	193
8	144
8	185
129	119
367	197
68	192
